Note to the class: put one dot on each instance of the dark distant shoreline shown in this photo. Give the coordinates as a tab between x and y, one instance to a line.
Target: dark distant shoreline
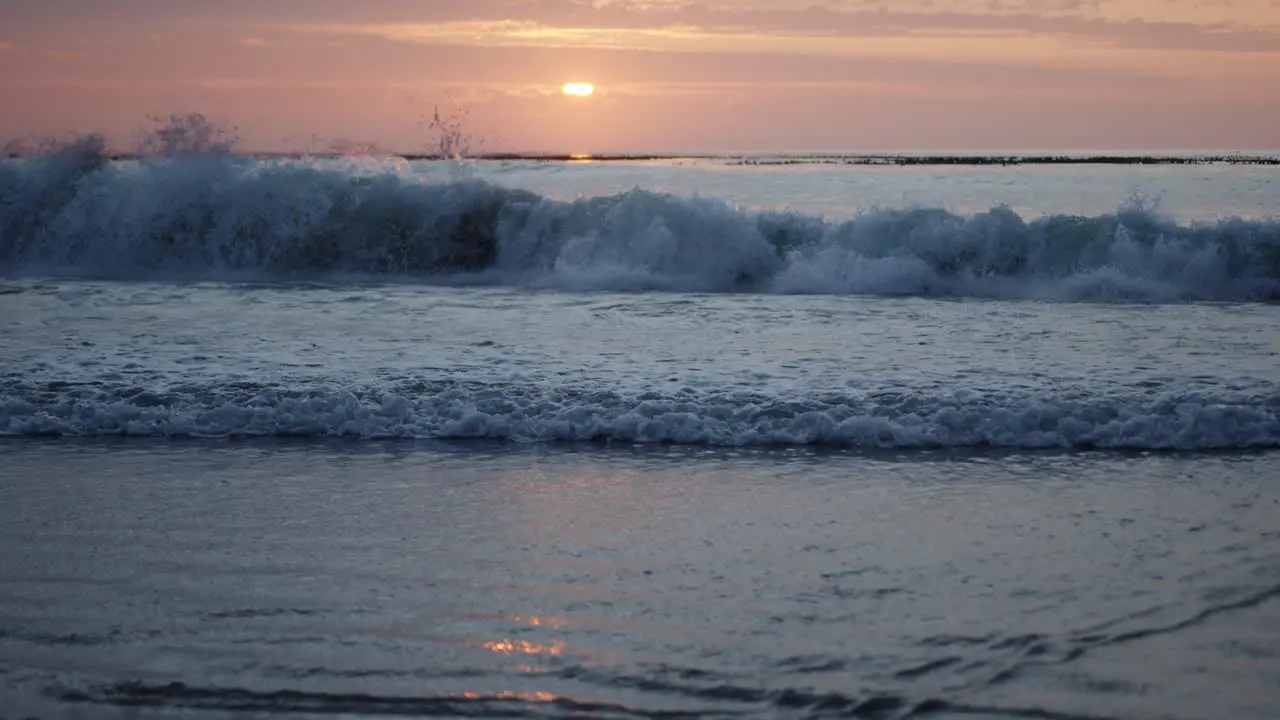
877	159
811	159
1019	160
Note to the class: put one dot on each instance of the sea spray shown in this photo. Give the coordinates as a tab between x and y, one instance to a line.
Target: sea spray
186	134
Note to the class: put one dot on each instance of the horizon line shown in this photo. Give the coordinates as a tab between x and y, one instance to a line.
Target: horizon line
901	158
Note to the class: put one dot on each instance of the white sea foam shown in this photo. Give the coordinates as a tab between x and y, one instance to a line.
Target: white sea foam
77	213
1190	420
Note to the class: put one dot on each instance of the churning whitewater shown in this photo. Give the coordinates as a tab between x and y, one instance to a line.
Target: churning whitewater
79	213
452	410
403	361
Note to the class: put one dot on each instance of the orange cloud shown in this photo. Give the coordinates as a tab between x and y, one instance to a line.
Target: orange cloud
964	45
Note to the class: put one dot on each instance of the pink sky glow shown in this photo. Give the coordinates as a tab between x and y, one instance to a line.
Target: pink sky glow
671	75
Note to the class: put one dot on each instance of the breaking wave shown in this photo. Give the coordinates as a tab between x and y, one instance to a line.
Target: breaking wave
78	212
889	419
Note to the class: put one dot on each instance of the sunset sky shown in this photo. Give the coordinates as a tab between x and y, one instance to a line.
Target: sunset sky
671	75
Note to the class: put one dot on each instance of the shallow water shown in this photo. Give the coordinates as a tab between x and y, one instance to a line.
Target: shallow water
150	359
206	578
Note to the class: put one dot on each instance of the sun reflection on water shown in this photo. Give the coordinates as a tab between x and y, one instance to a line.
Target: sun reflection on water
523	647
542	697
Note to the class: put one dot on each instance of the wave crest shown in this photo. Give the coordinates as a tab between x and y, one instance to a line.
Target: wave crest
76	212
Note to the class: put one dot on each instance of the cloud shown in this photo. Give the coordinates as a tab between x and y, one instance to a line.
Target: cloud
949	43
1221	25
252	42
22	51
556	22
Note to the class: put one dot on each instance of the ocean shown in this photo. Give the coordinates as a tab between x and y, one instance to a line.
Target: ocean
639	438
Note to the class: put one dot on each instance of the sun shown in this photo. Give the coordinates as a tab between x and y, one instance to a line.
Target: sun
578	89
